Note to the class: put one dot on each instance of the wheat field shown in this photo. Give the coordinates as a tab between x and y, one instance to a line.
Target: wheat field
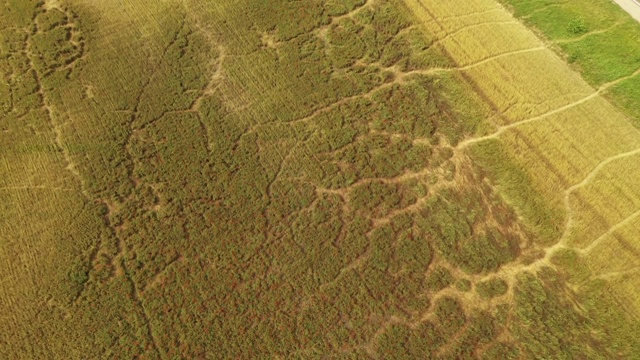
361	179
580	151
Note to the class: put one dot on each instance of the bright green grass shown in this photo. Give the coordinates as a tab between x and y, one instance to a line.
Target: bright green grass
627	96
604	48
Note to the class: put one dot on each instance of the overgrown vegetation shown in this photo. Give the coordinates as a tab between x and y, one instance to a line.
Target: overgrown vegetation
492	288
259	179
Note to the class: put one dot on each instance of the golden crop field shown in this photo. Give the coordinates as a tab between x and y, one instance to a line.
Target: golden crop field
361	179
560	130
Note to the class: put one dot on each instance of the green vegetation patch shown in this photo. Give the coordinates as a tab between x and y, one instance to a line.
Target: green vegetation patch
464	285
626	95
597	36
438	279
492	288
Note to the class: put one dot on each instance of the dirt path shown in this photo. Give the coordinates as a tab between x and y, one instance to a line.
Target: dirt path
630	6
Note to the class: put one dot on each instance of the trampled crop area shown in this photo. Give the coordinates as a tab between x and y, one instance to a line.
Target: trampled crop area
320	179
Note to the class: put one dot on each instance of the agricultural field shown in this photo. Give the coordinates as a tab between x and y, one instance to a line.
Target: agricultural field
359	179
598	39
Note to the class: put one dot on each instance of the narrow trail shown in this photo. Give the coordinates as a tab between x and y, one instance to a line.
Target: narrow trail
59	142
502	129
400	78
209	90
510	271
541	9
119	260
352	13
615	274
588	34
619	80
587	250
159	276
501	55
53	121
472	14
567	198
15	188
473	26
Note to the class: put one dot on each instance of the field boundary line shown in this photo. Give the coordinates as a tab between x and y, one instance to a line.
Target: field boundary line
613	274
590	176
504	128
498	56
609	232
477	13
471	26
